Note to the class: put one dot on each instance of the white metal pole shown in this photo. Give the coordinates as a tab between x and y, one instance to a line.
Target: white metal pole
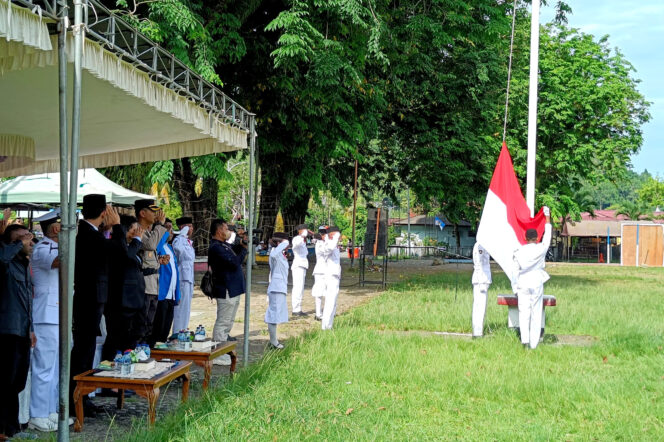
532	106
250	229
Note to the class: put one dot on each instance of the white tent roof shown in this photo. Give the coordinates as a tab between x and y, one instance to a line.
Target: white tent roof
126	116
45	189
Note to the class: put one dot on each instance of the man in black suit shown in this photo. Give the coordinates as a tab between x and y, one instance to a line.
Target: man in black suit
229	281
90	286
125	323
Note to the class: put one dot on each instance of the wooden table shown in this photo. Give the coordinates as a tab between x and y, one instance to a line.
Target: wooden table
201	358
148	388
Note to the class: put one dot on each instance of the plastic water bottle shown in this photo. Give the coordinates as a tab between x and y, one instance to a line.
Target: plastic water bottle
146	349
181	339
118	360
126	363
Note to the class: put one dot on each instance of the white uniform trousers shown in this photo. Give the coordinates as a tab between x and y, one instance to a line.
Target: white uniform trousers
530	314
479	308
182	311
331	294
226	311
299	273
45	377
24	398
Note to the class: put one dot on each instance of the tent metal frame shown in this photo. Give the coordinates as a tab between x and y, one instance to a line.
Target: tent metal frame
120	38
117	36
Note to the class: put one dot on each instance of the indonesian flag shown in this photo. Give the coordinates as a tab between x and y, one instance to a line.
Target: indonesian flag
506	216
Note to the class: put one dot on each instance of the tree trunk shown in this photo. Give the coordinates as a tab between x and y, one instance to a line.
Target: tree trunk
457	234
295	213
268	206
202	208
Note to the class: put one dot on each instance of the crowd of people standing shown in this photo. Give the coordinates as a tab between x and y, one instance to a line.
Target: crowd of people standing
130	275
133	284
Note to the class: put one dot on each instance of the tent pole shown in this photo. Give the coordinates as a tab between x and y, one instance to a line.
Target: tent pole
63	250
532	107
250	229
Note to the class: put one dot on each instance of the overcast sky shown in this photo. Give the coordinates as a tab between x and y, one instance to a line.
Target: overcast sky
637	28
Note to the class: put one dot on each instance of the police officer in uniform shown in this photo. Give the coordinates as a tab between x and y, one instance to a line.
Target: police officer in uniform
45	317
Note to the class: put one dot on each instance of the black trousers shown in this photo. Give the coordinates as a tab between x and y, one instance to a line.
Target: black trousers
163	320
13	374
149	314
124	328
84	333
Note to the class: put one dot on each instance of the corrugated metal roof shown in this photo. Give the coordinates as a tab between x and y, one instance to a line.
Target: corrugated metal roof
424	220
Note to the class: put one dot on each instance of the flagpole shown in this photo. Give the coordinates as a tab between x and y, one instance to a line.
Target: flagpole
532	106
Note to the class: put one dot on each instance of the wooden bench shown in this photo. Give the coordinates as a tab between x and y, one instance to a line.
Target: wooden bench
148	388
512	304
201	358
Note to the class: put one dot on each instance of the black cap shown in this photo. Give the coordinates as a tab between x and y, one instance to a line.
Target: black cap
183	220
280	235
145	204
531	234
48	219
301	227
168	220
93	202
333	229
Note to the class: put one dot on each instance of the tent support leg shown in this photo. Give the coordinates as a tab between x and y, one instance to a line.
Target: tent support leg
250	230
63	250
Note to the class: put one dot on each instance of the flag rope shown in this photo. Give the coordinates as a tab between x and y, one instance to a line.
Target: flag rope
509	71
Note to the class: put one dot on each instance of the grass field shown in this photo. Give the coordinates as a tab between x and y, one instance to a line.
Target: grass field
382	375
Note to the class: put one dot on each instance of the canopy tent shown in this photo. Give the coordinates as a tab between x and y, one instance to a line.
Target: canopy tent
126	116
45	189
130	101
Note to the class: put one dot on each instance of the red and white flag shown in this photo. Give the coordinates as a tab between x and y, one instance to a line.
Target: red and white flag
506	216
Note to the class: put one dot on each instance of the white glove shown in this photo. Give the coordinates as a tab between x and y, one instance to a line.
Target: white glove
547	211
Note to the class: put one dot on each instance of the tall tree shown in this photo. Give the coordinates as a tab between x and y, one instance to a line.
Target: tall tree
590	114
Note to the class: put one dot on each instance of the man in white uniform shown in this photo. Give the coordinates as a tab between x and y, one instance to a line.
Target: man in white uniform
185	255
45	315
481	282
529	261
318	289
332	276
299	268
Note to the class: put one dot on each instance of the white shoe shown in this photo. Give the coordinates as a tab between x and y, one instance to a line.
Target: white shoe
53	417
43	424
222	360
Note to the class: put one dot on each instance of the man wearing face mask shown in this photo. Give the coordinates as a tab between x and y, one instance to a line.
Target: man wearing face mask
299	268
228	281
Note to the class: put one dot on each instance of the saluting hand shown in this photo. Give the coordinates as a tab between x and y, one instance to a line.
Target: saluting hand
160	217
112	218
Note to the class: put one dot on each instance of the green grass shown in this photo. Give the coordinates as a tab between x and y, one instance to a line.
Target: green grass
368	380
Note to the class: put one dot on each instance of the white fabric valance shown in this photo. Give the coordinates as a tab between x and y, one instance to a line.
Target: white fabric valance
16	151
192	148
109	67
20	25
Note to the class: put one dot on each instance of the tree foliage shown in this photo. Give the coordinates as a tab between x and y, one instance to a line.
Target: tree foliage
590	114
412	90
